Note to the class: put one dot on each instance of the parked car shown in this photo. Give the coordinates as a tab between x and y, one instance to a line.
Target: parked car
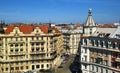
60	66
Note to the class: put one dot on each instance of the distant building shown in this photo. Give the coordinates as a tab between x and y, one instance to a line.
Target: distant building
99	49
29	47
71	38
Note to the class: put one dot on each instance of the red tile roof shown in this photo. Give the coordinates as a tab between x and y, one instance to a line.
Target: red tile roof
44	28
26	29
107	26
9	29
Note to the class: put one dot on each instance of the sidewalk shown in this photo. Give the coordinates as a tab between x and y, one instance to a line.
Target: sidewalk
58	63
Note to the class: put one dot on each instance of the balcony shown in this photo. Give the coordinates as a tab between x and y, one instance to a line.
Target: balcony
37	52
15	42
104	48
15	60
42	58
17	53
37	41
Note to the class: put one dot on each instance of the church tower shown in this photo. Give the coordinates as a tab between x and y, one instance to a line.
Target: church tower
89	27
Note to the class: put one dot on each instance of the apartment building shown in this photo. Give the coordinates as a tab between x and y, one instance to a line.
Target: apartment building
99	49
71	38
101	54
29	47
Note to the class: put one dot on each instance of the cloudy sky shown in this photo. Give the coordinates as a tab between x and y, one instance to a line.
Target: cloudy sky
59	11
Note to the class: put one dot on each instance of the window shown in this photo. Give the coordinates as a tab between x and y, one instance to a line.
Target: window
106	43
11	45
26	38
41	38
16	50
12	68
37	44
106	71
47	65
37	49
32	49
37	66
11	50
85	58
16	45
16	39
17	68
106	62
92	67
101	70
85	66
42	43
6	69
32	44
97	69
113	45
92	41
85	50
21	49
42	49
27	67
21	44
101	43
32	38
96	42
42	66
21	67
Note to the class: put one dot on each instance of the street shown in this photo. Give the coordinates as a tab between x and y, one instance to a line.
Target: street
66	66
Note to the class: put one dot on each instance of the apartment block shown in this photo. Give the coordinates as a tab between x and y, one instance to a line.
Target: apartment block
29	47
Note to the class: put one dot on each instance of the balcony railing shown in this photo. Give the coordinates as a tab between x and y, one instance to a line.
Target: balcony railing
109	49
37	52
16	53
15	60
42	58
37	41
14	42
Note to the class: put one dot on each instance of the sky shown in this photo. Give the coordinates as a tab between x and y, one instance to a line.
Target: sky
59	11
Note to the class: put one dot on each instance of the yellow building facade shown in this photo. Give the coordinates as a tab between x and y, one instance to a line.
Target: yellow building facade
29	47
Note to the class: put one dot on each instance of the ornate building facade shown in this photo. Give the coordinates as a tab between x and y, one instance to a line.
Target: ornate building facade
99	49
29	47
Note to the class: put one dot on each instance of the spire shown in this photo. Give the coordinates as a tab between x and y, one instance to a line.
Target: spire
90	21
90	12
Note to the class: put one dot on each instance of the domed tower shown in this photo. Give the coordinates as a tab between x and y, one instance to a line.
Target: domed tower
89	27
